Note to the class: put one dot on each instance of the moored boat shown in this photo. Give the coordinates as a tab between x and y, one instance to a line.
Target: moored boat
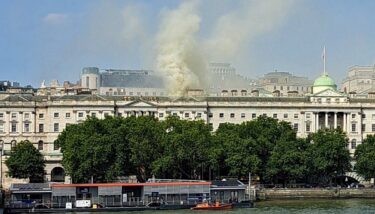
215	206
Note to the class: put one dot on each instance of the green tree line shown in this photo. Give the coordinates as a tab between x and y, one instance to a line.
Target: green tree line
182	149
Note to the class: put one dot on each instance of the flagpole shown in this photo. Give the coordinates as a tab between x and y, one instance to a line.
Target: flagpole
324	60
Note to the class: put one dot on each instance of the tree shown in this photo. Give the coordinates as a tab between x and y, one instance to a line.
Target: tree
185	149
96	149
329	155
25	161
365	158
288	161
145	136
265	132
235	156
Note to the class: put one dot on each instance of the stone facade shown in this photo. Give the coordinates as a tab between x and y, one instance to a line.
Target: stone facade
40	119
284	82
360	80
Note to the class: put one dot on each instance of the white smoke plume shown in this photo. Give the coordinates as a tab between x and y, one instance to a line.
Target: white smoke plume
242	25
113	34
179	58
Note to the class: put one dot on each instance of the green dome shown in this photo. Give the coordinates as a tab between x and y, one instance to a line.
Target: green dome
325	80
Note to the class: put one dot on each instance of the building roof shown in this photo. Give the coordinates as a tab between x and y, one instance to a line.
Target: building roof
200	183
227	184
30	187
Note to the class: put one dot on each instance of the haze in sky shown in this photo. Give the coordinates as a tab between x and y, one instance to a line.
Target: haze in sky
45	40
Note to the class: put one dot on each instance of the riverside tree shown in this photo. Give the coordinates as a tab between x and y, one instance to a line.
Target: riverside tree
145	136
185	147
288	161
265	132
96	149
365	158
328	154
247	147
25	161
235	156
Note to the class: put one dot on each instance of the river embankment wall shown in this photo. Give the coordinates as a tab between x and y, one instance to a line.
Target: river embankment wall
269	194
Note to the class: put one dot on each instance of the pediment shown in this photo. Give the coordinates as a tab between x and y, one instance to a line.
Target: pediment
140	103
186	99
329	93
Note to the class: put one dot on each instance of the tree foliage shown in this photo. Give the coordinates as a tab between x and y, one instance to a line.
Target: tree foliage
365	158
96	149
25	161
288	161
329	155
145	136
183	149
186	148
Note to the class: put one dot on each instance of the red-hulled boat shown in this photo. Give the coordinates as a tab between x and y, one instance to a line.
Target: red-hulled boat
216	206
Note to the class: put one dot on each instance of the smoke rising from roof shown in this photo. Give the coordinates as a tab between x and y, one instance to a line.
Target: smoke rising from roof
179	57
242	25
186	38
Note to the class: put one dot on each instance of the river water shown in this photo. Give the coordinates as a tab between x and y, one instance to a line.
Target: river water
343	206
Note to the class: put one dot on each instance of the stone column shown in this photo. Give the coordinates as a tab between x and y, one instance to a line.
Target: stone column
316	121
344	122
348	124
326	120
335	120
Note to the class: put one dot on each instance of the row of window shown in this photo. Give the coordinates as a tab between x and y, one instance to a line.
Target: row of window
93	114
288	88
55	115
186	115
40	146
68	115
254	115
108	93
13	115
26	127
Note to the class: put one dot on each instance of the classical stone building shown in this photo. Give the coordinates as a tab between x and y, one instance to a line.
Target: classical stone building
40	119
360	80
284	82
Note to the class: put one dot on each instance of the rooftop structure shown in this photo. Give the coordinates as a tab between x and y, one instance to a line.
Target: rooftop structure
223	76
360	80
122	82
284	82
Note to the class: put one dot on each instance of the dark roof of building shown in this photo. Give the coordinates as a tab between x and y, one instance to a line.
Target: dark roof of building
227	183
132	80
31	187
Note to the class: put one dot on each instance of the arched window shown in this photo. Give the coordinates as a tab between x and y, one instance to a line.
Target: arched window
353	144
13	144
57	174
40	145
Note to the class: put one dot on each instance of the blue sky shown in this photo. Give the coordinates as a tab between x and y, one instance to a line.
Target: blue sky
45	40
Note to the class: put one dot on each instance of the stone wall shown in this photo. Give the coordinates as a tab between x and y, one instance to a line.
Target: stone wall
269	194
